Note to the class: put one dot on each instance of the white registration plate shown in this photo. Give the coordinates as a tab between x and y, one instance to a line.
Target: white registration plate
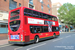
14	36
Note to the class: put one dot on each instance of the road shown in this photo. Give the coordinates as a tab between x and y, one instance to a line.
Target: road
66	41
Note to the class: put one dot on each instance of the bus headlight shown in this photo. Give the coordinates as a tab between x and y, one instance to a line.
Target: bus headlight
8	30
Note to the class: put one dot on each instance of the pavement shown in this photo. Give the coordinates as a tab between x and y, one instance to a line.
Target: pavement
3	42
65	41
67	32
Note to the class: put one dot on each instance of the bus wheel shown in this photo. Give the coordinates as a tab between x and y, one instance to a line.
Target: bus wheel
36	40
54	36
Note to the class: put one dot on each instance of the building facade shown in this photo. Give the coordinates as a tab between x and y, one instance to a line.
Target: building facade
41	5
55	7
7	5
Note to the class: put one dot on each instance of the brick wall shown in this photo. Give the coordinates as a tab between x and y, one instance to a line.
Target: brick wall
54	8
3	36
4	5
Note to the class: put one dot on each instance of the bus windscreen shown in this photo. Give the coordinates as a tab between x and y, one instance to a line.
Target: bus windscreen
14	25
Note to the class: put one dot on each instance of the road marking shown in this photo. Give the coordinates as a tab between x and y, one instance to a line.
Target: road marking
73	34
5	45
18	48
68	36
36	46
57	39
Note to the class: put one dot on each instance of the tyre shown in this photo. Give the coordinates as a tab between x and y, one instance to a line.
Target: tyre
54	36
36	40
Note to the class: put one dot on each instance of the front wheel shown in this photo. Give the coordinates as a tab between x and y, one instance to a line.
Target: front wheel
36	40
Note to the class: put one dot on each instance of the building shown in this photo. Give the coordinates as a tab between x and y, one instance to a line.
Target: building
3	24
55	7
41	5
7	5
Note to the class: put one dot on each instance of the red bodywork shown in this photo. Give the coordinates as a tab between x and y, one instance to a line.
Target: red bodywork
24	29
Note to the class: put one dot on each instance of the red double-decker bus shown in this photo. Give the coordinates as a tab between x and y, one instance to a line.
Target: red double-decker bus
26	25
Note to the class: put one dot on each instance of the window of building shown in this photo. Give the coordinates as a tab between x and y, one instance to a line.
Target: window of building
3	26
31	2
42	7
57	8
20	4
4	0
49	11
12	4
48	6
41	1
58	4
7	26
1	15
48	0
58	13
31	6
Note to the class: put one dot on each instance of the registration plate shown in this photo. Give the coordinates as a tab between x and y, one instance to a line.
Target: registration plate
14	36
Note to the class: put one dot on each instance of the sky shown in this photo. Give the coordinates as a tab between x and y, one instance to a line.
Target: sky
64	1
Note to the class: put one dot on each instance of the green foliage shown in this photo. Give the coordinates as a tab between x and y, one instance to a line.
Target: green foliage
67	13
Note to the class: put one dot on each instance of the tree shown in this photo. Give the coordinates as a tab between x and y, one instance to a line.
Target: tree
67	13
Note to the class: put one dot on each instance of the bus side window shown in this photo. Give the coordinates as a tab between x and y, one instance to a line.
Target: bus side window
35	14
45	28
49	17
55	19
40	15
36	29
32	29
27	12
45	16
55	28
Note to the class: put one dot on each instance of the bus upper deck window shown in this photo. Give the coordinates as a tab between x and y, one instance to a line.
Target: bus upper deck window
45	16
49	17
27	12
40	15
35	14
55	19
15	12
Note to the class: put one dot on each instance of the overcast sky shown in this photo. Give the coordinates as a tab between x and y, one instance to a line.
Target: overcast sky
64	1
